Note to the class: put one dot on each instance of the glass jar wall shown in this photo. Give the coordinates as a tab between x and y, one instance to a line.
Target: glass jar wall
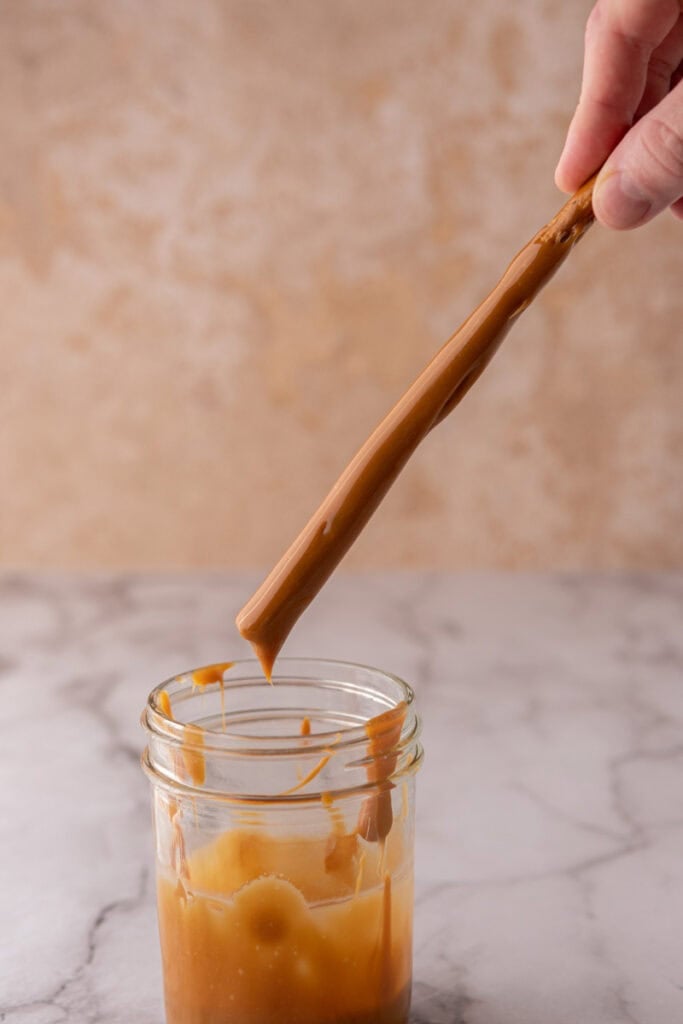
284	821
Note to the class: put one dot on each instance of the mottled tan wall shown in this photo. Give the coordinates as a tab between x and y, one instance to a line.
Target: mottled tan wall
232	232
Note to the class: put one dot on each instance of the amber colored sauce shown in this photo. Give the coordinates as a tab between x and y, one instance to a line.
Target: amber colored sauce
191	762
265	930
384	732
270	614
193	754
259	929
164	702
314	772
213	674
164	705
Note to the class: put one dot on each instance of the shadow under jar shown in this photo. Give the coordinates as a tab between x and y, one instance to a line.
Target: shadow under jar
284	824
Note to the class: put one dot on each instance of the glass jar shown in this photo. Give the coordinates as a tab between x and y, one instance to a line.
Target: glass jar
284	824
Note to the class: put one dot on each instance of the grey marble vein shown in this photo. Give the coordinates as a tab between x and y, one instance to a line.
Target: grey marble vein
550	831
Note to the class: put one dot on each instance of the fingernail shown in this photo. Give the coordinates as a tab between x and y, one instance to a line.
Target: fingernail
618	202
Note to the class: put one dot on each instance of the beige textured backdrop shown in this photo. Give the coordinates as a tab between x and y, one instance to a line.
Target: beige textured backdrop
232	231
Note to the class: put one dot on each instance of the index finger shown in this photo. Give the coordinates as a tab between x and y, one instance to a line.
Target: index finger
620	38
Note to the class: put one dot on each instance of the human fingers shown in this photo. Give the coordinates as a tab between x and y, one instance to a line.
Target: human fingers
621	36
662	69
644	174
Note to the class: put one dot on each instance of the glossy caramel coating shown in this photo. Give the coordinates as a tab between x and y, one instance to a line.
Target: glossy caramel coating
270	614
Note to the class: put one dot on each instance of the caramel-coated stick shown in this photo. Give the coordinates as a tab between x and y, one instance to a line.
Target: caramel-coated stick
270	614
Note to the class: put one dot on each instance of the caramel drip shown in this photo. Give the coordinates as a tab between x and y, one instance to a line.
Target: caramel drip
213	674
384	732
270	614
190	761
164	703
193	754
315	770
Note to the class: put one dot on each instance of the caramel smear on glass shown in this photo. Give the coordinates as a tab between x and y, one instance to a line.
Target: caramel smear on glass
193	754
164	705
315	770
384	732
270	614
213	674
164	702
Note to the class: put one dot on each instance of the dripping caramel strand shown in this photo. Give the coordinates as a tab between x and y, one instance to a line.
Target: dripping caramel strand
309	777
164	705
189	760
268	617
315	770
213	674
384	733
193	754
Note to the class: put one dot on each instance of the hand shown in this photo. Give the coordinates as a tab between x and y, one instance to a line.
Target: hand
630	113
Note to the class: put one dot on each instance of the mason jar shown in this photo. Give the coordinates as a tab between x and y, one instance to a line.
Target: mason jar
284	828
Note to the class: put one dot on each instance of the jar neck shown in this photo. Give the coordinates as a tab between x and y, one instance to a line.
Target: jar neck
321	730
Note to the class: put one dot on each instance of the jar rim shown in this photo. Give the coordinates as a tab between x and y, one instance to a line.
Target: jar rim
220	744
216	741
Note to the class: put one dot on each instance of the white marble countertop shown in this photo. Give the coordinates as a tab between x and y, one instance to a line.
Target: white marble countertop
550	874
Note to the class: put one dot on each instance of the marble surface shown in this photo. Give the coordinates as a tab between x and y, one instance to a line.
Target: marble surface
550	850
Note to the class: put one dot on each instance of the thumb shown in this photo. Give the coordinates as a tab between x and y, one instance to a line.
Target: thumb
644	174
